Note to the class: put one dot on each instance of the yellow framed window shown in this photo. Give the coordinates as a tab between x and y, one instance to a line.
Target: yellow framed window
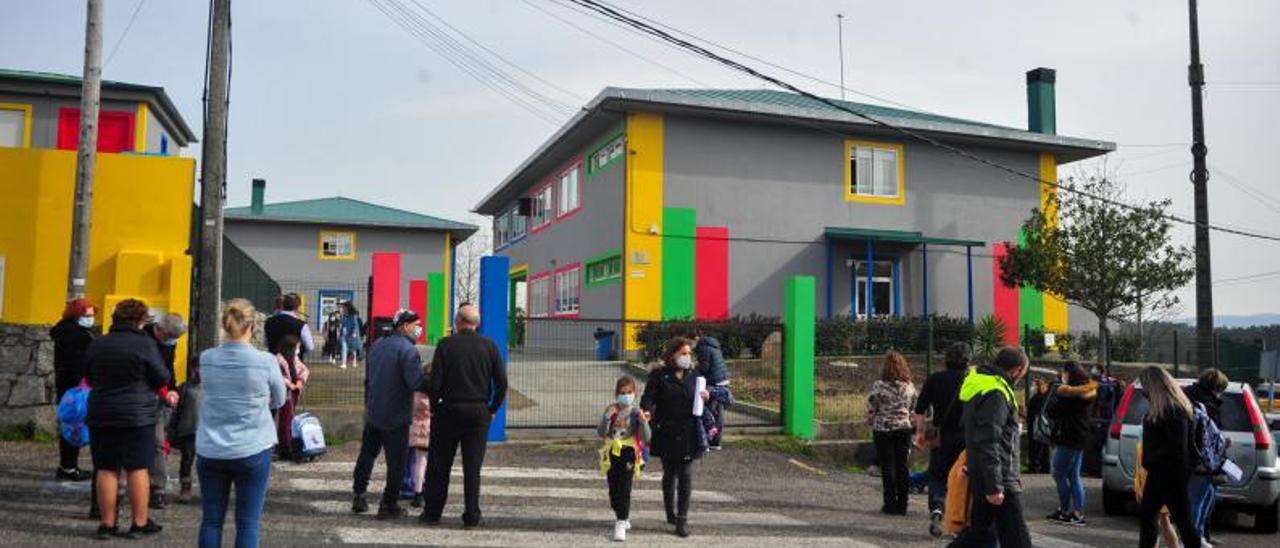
874	173
15	125
337	245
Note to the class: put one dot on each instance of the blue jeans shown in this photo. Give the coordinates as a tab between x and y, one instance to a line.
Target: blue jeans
250	475
1066	473
350	347
1201	493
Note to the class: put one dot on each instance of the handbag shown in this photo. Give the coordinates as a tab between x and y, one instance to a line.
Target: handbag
932	434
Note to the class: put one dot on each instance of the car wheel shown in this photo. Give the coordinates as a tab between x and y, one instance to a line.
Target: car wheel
1114	502
1265	520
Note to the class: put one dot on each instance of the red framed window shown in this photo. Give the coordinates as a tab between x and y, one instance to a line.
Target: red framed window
115	130
569	190
568	291
543	208
539	299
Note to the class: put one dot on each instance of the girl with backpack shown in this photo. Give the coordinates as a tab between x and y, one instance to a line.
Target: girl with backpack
625	429
295	374
1167	455
1068	412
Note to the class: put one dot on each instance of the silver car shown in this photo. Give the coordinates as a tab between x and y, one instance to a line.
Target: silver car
1252	447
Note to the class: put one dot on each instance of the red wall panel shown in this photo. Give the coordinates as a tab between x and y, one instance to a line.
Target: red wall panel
115	130
386	285
711	289
1004	298
418	303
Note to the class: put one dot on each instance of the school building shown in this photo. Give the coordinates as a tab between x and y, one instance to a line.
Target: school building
674	203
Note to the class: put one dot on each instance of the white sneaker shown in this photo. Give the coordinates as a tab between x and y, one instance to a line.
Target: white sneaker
343	366
628	523
620	531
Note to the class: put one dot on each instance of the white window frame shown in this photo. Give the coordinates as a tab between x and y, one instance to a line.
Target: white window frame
569	191
539	301
568	291
860	294
543	207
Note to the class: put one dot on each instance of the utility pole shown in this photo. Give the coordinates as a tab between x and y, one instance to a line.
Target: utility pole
86	151
840	37
213	175
1205	352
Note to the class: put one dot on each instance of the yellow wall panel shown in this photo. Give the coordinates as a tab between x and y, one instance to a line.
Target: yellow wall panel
642	231
1055	309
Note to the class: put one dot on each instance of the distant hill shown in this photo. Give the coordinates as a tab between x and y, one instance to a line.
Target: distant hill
1249	320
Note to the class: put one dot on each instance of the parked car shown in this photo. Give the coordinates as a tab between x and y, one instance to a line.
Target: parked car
1253	447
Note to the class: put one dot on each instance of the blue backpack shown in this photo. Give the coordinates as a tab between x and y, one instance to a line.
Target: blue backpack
1209	443
73	409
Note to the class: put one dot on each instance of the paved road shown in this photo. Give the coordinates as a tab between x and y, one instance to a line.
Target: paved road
548	494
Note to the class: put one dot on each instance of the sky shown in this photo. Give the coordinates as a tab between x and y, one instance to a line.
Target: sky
331	97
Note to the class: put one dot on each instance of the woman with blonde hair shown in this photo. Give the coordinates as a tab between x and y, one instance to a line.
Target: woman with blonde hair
234	439
1167	456
889	414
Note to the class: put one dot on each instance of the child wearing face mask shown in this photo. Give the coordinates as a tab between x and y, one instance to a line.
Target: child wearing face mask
625	430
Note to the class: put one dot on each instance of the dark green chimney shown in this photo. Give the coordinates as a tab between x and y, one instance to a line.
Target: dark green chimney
259	192
1040	101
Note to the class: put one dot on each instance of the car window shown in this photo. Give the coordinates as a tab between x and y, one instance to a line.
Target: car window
1138	406
1235	416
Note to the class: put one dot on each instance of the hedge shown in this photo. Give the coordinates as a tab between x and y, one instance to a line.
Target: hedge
736	335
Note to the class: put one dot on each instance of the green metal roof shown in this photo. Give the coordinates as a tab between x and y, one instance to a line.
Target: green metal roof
162	99
345	211
872	234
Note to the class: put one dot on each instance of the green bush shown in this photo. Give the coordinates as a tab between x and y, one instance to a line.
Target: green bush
988	338
843	335
737	335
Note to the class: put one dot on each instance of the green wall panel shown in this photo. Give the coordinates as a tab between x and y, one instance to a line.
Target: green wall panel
679	231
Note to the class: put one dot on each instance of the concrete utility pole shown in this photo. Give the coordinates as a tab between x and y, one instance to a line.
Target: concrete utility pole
86	151
1206	355
213	175
840	38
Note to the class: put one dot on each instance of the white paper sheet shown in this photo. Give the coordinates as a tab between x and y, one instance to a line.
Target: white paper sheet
1232	471
697	396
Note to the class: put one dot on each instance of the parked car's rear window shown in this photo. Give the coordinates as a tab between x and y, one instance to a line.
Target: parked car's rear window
1138	406
1234	415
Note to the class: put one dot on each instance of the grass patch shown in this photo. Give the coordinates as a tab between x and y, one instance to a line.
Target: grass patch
26	432
780	444
331	440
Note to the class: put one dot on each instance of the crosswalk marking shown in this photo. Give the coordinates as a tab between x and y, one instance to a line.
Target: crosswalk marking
1045	541
593	514
495	472
501	490
537	539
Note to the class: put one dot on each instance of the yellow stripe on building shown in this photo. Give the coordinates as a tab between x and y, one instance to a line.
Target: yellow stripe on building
445	311
642	230
1055	309
140	133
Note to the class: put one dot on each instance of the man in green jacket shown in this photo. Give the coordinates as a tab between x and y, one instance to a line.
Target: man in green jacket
991	433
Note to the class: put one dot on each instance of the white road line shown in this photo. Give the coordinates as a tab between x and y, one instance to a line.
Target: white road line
598	494
495	472
535	539
592	514
1045	541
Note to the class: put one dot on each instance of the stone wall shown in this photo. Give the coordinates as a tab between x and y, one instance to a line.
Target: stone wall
26	376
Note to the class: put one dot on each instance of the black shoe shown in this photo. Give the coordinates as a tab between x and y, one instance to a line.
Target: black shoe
359	505
390	512
671	518
417	500
429	521
157	500
473	524
73	474
95	513
149	528
682	528
1057	515
105	533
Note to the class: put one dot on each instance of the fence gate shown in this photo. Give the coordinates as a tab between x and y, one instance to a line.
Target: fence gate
562	372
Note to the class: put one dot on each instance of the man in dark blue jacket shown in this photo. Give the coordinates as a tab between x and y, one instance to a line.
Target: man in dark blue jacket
712	366
394	371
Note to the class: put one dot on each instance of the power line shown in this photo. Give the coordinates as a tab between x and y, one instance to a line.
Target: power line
124	34
1263	198
614	13
1252	278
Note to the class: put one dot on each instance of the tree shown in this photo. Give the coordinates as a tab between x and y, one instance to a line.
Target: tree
467	261
1103	255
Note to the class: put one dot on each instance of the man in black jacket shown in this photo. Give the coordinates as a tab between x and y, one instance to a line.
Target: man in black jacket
288	321
467	385
395	370
940	393
991	432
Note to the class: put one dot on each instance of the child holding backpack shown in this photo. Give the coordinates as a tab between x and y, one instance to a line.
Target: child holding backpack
182	425
625	430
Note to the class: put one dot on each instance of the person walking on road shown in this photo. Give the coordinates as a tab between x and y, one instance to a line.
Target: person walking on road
1201	491
394	372
350	331
991	437
467	386
71	338
944	437
669	398
1167	455
1070	433
712	366
625	430
165	332
125	371
889	407
235	434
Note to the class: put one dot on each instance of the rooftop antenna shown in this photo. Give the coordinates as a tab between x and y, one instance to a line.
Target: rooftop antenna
840	34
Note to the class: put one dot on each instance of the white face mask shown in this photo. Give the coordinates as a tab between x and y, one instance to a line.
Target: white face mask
626	400
684	361
417	332
85	321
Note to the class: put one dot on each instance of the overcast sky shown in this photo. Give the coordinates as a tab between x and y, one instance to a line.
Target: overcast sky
330	97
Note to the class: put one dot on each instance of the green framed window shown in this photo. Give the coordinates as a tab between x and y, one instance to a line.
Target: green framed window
604	269
606	152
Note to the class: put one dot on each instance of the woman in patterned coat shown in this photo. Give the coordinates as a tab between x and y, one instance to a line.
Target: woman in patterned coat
889	414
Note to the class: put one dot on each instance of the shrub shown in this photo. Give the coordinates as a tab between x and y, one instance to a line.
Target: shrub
988	338
737	335
844	335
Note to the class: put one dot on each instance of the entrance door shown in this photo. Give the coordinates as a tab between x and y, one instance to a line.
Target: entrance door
328	301
882	289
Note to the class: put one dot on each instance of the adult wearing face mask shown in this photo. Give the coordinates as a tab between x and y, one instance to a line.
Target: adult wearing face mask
669	397
71	337
395	370
165	332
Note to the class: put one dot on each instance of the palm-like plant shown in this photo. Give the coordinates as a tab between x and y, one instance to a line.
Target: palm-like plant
988	338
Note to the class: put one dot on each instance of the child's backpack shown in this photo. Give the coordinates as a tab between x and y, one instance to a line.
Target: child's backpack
308	436
1210	445
73	410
